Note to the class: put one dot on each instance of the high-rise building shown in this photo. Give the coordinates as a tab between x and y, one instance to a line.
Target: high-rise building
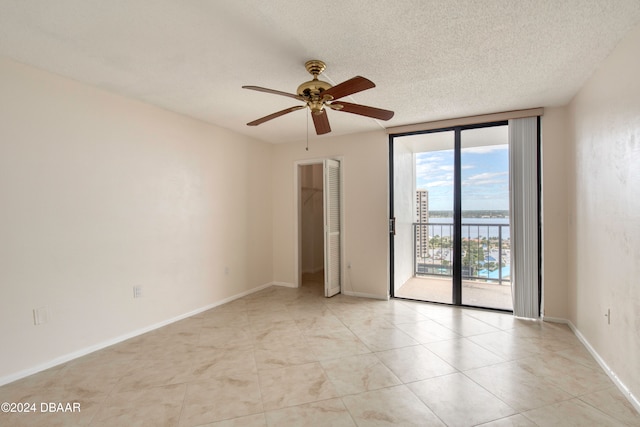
422	218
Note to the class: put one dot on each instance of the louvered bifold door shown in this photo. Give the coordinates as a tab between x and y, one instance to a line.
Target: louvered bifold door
332	226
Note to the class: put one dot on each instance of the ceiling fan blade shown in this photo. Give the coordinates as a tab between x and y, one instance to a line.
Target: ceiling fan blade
274	115
351	86
363	110
273	91
321	122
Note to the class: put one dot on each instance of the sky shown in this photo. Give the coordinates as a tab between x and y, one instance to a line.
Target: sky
485	178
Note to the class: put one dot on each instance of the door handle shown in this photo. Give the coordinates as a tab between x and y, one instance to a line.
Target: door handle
392	225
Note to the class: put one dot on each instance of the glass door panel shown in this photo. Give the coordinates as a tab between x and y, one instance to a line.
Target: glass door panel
423	207
485	245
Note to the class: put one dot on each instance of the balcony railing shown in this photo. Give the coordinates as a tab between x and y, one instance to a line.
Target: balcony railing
486	251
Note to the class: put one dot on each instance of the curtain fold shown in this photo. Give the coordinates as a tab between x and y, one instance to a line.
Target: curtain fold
523	198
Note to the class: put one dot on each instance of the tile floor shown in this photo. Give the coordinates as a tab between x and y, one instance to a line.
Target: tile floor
289	357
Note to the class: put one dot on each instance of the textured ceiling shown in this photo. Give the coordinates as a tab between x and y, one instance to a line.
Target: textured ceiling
430	60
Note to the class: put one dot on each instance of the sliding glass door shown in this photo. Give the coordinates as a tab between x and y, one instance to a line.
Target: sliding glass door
451	206
484	204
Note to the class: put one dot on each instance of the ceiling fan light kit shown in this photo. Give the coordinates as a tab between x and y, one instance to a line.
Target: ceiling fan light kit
318	95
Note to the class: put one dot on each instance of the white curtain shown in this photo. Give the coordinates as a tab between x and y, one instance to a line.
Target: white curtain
523	173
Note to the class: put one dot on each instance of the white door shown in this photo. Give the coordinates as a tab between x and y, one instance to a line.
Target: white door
332	226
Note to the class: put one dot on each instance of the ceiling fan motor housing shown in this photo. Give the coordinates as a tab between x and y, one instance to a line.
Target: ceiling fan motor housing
312	90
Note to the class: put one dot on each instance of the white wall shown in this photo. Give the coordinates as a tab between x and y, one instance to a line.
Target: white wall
554	212
604	211
365	188
100	193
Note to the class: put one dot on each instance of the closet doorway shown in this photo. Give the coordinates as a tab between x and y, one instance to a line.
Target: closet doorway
319	225
311	226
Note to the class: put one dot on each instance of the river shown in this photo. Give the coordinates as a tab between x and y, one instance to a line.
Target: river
471	227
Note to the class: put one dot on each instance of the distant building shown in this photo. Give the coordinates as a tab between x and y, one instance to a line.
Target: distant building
422	217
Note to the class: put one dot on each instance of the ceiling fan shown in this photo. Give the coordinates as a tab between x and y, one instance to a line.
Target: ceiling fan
318	95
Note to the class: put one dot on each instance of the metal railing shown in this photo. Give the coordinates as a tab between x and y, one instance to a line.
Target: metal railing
486	251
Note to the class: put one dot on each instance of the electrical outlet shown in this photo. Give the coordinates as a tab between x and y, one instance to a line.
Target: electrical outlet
40	315
137	291
226	271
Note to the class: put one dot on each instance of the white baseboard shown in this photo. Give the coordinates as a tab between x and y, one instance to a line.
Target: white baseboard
555	320
612	375
83	352
284	284
364	295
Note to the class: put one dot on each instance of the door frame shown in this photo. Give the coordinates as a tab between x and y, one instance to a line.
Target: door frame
297	210
457	206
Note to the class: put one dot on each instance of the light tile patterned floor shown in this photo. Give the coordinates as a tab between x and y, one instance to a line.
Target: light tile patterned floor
289	357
